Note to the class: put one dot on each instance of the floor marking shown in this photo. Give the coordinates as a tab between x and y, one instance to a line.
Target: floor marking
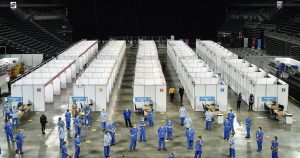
88	141
29	120
93	130
163	121
162	113
261	117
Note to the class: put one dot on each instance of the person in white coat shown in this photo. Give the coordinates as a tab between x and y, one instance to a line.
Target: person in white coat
182	112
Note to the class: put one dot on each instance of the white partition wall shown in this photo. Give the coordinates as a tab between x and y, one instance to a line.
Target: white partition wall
179	50
97	81
149	80
244	77
40	86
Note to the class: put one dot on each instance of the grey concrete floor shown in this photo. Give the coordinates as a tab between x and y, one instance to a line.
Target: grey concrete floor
38	146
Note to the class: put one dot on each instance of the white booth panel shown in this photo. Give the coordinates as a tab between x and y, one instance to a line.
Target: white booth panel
199	92
260	91
283	93
222	97
16	91
69	75
100	98
28	95
39	99
89	91
63	80
74	70
81	63
139	91
56	86
49	93
161	99
78	91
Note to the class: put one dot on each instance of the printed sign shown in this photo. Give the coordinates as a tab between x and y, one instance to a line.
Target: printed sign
207	98
142	99
269	99
222	89
79	99
14	99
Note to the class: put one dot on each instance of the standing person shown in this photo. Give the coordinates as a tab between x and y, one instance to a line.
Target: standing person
231	116
15	117
172	93
7	110
60	122
133	138
169	125
188	122
61	131
239	101
9	131
127	117
259	139
163	64
64	150
248	126
190	138
103	119
208	118
198	146
142	124
112	132
181	93
107	141
77	144
231	145
19	141
227	128
68	119
274	147
251	101
77	123
161	138
150	118
182	112
43	121
87	115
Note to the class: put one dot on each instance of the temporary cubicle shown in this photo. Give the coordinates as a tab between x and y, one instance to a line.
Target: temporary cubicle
244	77
96	82
149	80
179	50
82	52
212	53
40	86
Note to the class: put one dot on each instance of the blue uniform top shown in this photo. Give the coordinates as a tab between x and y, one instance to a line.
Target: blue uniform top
198	145
226	124
77	142
259	136
230	116
19	138
8	127
112	127
274	146
7	108
133	132
142	124
107	139
77	122
60	123
150	114
190	134
169	124
61	133
15	113
64	151
161	132
68	116
127	114
248	121
87	110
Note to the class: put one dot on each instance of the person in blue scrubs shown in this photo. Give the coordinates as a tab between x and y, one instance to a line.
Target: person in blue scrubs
162	138
77	144
127	117
60	122
227	128
133	138
87	115
198	146
169	125
259	139
7	110
208	118
112	131
248	126
15	117
274	147
231	116
142	124
19	138
150	118
231	145
182	112
107	142
64	150
61	131
103	119
77	123
68	116
190	138
9	131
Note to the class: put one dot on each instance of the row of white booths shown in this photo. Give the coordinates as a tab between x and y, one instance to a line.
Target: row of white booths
202	86
244	77
149	80
39	87
97	80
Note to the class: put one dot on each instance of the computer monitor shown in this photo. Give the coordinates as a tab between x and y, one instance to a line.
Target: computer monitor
281	107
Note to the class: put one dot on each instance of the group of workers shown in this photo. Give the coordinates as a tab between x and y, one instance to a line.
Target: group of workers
239	101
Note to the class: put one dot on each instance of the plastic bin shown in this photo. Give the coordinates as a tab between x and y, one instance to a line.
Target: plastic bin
289	118
220	119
